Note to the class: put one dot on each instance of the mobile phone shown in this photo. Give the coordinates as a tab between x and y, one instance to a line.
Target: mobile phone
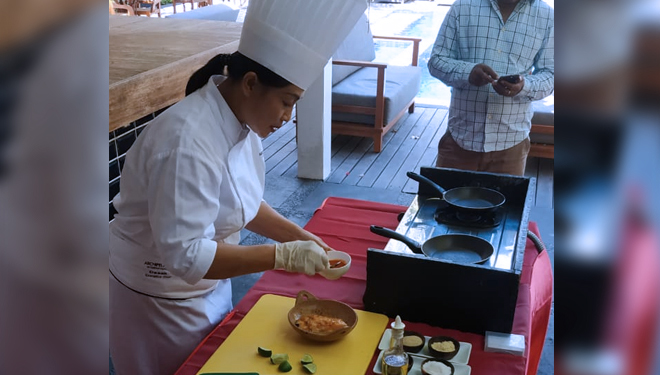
514	78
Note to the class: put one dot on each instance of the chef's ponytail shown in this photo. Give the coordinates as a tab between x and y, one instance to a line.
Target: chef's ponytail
237	66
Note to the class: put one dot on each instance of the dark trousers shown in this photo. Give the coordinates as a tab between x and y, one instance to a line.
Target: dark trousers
509	161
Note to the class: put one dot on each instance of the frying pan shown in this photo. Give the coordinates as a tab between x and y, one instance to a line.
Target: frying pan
472	199
458	248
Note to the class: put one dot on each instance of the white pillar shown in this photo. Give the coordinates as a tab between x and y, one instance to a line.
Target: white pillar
314	126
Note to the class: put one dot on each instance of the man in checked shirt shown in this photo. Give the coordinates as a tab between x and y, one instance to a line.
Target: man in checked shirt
489	118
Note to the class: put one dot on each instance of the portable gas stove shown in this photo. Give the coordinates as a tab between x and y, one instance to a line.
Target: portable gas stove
477	297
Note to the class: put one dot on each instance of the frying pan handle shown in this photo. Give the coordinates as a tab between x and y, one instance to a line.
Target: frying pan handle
304	296
419	178
385	232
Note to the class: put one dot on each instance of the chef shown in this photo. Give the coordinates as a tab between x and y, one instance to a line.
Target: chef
195	177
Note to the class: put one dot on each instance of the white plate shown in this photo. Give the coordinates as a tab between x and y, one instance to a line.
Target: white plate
416	369
462	357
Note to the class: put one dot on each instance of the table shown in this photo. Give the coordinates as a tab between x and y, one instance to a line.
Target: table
151	60
344	224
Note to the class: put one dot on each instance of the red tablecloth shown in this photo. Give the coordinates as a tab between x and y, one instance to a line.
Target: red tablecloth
344	225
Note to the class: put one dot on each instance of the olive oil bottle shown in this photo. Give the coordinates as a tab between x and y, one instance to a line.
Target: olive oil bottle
395	359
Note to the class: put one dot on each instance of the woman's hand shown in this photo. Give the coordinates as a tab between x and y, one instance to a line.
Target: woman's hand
301	256
312	237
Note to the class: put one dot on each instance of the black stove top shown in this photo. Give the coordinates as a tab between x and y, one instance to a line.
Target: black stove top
430	217
446	214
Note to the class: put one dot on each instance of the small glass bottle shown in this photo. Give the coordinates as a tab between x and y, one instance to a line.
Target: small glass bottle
395	359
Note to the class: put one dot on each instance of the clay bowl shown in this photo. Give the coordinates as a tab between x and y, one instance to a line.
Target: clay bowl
307	303
440	354
413	348
446	363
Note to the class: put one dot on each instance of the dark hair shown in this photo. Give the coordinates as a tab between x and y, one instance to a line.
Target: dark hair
237	66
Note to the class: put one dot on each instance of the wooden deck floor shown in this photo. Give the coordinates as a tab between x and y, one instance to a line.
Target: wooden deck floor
412	143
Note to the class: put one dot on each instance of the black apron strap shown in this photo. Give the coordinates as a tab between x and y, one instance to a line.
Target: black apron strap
145	294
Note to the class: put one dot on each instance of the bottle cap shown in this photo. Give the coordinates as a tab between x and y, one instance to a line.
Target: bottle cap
397	323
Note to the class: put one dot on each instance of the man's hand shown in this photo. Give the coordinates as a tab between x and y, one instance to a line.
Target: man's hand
482	74
505	88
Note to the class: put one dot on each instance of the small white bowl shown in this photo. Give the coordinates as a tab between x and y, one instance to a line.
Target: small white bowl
335	273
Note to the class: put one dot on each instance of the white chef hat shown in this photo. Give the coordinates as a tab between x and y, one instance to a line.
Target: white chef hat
296	38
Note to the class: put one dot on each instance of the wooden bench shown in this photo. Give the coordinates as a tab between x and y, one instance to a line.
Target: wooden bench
542	134
542	150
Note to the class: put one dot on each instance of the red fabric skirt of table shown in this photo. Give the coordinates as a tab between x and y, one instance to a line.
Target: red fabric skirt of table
344	225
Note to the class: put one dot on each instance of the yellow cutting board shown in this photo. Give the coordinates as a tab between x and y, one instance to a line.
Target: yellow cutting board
266	325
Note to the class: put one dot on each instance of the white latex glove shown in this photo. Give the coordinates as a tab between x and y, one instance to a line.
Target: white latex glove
301	256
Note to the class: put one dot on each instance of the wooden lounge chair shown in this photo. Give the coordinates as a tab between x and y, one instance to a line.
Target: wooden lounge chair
147	7
368	98
121	9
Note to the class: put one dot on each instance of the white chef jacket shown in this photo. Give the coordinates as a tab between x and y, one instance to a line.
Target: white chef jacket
195	176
